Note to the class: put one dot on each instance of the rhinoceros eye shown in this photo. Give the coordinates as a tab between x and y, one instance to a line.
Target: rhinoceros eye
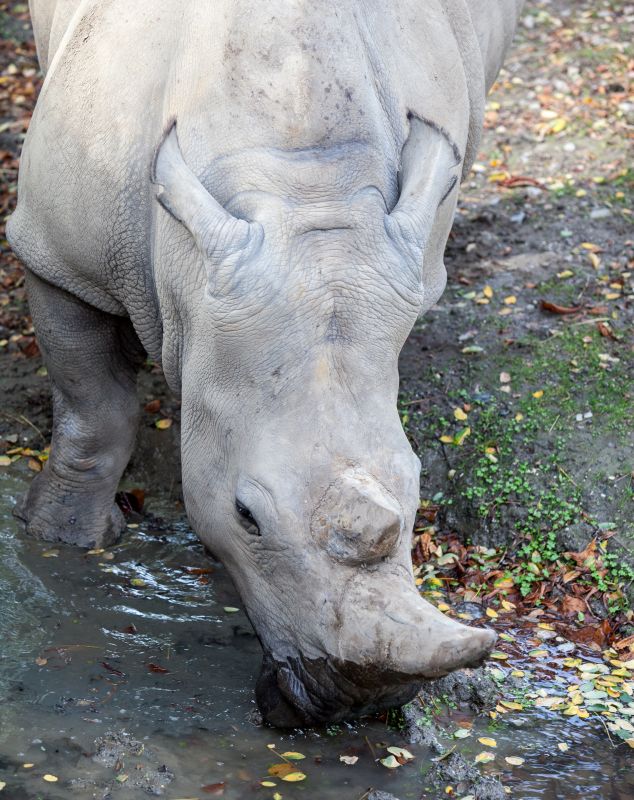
247	519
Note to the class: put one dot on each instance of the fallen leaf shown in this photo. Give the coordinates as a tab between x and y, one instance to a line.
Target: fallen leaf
563	747
390	762
268	784
293	755
349	759
505	377
163	424
294	777
5	461
554	308
459	414
516	761
157	668
113	670
279	770
138	582
487	742
215	789
539	393
231	609
484	758
400	752
510	300
2	785
50	778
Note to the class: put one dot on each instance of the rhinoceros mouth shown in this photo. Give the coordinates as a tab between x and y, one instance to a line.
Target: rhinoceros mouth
298	692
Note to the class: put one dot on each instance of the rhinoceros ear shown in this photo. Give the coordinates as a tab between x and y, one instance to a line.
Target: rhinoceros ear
217	233
420	222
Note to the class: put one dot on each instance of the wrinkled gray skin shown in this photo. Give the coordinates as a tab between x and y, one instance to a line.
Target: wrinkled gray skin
258	196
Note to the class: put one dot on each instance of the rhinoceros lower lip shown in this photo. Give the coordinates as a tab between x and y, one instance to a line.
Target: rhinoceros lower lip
298	692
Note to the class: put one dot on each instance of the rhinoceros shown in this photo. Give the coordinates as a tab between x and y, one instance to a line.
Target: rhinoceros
257	196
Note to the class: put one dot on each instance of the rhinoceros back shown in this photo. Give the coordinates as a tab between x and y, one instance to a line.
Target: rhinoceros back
240	77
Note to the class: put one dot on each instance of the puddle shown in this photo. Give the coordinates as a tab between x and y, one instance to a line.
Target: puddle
143	643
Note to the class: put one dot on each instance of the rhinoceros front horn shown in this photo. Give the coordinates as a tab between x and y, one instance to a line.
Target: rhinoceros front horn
217	233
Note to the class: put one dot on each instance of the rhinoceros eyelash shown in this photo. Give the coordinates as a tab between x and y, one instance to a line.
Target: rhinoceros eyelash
247	519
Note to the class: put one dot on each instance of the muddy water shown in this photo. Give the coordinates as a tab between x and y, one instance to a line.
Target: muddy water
140	646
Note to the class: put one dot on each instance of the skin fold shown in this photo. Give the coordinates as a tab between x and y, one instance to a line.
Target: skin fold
258	197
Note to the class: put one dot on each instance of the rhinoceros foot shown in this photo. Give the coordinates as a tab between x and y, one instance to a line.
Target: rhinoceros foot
54	515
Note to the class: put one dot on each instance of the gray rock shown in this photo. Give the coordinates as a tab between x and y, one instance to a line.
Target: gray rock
453	769
419	729
488	789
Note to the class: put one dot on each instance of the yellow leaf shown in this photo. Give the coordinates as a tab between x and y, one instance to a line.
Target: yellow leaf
28	766
5	461
539	393
594	260
487	742
443	607
163	424
507	605
558	125
459	414
268	784
50	778
590	246
512	705
499	656
487	292
498	177
2	785
563	746
138	582
484	758
491	612
516	761
510	300
630	742
277	796
293	755
519	417
446	439
294	777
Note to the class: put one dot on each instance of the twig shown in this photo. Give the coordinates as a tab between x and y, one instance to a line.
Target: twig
607	730
372	750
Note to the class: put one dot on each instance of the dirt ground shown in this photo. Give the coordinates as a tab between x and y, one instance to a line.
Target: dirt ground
517	388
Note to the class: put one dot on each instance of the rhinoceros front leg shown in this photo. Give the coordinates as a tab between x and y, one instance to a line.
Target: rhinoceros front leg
92	360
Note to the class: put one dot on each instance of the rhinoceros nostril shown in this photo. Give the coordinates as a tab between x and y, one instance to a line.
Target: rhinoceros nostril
357	520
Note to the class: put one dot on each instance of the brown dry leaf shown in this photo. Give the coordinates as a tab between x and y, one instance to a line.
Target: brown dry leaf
280	770
214	789
554	308
157	668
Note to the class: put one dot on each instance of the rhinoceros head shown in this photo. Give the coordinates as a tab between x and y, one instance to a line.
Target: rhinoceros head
296	469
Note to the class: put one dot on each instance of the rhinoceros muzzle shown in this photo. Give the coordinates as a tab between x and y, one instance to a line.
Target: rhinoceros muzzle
300	692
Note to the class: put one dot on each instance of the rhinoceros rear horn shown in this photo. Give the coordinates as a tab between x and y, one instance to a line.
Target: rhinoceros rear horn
216	232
